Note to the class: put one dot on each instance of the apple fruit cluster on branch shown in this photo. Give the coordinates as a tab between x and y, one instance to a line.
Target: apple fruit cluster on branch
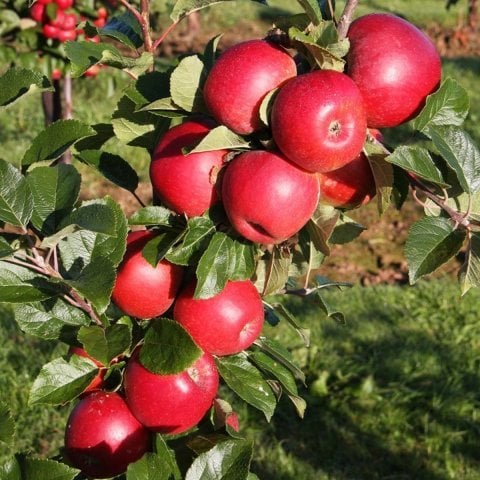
257	155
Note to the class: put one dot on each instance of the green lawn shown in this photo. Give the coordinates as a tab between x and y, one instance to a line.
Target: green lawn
394	393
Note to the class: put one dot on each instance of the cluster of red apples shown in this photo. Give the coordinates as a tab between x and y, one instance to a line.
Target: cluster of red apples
319	123
57	20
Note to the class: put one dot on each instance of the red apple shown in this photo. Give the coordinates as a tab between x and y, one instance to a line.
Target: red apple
97	382
395	66
185	183
103	437
49	31
93	71
240	79
352	185
318	120
171	403
224	324
67	35
64	4
267	198
141	290
37	11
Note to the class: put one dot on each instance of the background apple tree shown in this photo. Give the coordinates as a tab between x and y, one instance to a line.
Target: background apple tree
60	257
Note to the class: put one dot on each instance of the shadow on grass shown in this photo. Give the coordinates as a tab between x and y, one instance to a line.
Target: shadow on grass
399	402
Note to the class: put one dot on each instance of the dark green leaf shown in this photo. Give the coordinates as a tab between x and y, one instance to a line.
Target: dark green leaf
460	152
7	429
449	105
321	225
55	140
304	333
16	200
469	274
221	138
60	381
186	84
168	457
330	310
431	242
5	248
105	344
103	133
10	470
16	83
214	267
229	460
346	230
243	260
247	382
19	285
45	469
123	28
198	234
50	318
156	249
154	215
168	348
84	55
210	52
112	167
55	191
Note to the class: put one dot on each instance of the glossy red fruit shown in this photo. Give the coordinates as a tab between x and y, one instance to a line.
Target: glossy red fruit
64	4
395	66
224	324
97	382
185	183
59	19
69	21
171	403
93	71
318	120
102	12
49	31
240	79
37	12
67	35
141	290
100	22
267	198
103	437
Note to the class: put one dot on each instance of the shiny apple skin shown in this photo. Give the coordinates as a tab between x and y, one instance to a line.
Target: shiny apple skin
224	324
267	198
318	120
102	436
173	403
240	79
395	66
140	290
185	183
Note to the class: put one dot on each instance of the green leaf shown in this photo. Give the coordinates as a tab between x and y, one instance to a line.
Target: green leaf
49	319
124	28
19	285
330	310
154	215
321	225
210	52
16	83
83	55
248	383
283	311
312	9
168	348
112	167
417	160
266	106
214	267
460	152
272	271
346	230
45	469
55	191
104	344
10	470
16	200
186	84
55	140
5	248
156	248
228	460
198	234
168	456
221	138
60	381
150	467
469	274
243	260
183	8
382	173
7	429
431	242
449	105
103	133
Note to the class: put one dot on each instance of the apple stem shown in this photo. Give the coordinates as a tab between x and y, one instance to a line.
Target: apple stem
346	18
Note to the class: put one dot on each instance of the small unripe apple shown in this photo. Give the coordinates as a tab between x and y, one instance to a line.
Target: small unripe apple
171	403
318	120
267	198
395	66
102	436
240	79
97	382
185	183
224	324
141	290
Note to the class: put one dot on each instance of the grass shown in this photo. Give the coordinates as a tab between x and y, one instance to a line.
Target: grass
392	394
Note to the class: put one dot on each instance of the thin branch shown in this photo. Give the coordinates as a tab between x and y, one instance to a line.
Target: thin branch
332	11
139	200
164	35
133	10
346	18
21	263
145	14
